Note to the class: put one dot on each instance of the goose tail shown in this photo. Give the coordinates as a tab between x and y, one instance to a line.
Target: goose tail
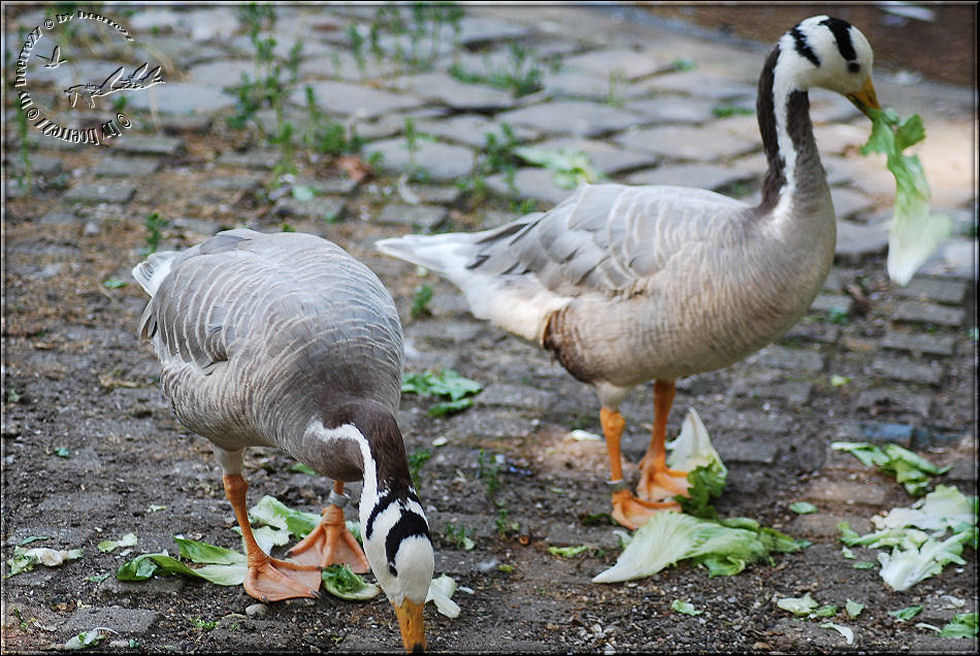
445	254
151	272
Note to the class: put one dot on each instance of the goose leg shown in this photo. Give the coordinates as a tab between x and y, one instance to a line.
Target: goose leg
268	579
657	481
330	542
627	509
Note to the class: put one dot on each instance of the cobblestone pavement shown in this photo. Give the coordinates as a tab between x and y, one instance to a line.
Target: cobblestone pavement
437	107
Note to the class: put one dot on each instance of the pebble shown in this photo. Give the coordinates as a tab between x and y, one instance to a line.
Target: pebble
256	610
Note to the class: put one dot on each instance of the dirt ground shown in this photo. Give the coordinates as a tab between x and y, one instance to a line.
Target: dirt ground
91	451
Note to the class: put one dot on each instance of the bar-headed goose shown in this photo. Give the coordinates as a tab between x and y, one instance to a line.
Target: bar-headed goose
627	284
286	340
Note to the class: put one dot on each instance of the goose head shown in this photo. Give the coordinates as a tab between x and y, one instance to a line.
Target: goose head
833	54
394	529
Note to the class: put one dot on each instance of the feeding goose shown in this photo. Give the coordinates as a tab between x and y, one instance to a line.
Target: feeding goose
626	284
285	340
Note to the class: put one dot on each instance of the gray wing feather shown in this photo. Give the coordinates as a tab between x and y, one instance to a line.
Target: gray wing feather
606	238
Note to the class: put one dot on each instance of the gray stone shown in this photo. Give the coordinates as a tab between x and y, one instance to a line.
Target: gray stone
181	98
790	359
482	29
438	161
752	422
919	343
356	100
121	620
794	391
256	158
955	257
515	396
825	303
673	109
604	157
856	241
705	176
100	193
39	164
126	166
683	142
906	370
448	90
336	185
849	204
326	208
582	119
223	72
59	218
896	400
814	332
951	292
566	84
472	130
235	182
918	312
425	218
629	64
867	492
440	195
530	182
149	144
695	83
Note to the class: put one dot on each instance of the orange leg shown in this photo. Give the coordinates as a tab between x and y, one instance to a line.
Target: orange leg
268	579
330	542
627	509
657	481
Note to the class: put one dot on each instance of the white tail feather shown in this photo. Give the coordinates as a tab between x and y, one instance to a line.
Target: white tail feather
151	272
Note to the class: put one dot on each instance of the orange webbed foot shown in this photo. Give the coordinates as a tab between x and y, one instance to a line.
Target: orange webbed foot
330	543
634	513
658	482
271	579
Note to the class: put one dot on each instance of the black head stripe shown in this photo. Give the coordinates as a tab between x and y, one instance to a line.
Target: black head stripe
842	33
803	47
410	524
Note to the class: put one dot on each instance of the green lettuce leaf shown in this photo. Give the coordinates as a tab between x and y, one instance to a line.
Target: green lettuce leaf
914	234
341	581
963	625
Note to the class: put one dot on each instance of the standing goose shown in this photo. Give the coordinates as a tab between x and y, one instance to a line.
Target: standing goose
286	340
626	284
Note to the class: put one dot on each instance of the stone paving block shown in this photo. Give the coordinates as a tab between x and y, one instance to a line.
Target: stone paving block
439	195
918	312
814	332
121	620
515	396
631	64
918	343
794	391
100	193
894	400
566	84
604	157
825	303
256	158
531	182
438	161
825	525
472	130
335	185
422	217
867	492
752	422
235	182
442	87
673	110
325	208
224	72
181	98
790	359
856	241
39	164
849	204
476	30
758	450
355	100
578	118
950	292
694	83
906	370
126	166
683	142
149	144
706	176
956	257
59	218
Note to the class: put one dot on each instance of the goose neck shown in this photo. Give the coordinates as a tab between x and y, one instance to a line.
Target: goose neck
795	176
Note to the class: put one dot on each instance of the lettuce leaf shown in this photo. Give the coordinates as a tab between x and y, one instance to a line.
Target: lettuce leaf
341	581
914	234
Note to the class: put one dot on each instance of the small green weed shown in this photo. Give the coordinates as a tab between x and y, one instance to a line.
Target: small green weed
155	225
416	459
420	301
457	536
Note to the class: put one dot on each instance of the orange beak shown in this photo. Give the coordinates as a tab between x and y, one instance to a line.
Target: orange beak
412	626
866	98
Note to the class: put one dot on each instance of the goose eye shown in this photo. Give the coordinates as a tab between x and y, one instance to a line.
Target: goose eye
854	67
